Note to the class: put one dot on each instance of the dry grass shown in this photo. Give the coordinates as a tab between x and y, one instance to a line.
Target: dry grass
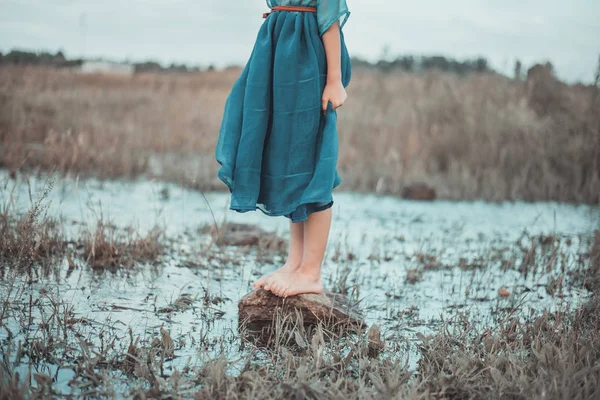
109	247
476	137
480	136
591	279
554	356
29	240
15	387
33	241
549	356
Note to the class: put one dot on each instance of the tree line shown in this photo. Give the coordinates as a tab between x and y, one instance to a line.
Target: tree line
58	59
410	63
406	63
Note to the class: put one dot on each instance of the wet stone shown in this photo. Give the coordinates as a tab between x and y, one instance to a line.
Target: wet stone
247	235
419	191
240	235
259	308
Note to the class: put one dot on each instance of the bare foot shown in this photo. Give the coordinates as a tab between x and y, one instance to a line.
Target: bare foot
303	280
287	269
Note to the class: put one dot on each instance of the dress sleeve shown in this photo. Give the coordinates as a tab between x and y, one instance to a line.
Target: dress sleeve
328	11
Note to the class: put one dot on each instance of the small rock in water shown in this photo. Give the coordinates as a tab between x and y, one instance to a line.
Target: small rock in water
247	235
419	191
240	235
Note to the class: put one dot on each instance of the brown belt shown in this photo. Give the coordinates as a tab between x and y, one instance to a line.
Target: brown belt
290	8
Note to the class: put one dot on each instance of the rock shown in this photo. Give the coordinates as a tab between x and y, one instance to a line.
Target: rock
419	191
258	308
247	235
240	235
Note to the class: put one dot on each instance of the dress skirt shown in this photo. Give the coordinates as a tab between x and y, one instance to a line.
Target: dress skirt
277	150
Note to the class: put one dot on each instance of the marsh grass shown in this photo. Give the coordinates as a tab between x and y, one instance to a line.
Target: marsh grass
110	247
550	355
14	387
590	277
478	136
30	240
555	356
513	355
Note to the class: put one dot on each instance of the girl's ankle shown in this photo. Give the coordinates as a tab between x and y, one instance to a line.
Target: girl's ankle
313	272
293	265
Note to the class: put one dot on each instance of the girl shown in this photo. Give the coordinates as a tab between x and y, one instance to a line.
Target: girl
278	140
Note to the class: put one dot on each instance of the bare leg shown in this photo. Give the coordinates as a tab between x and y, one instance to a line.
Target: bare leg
307	278
294	258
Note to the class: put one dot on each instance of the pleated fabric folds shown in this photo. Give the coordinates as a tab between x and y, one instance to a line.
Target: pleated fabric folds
277	150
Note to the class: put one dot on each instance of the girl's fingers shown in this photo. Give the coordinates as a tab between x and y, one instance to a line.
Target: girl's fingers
334	104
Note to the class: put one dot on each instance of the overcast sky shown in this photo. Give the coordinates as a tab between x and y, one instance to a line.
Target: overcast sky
222	32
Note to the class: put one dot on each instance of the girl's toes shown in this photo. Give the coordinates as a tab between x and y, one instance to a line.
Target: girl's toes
258	283
276	289
262	280
270	285
281	291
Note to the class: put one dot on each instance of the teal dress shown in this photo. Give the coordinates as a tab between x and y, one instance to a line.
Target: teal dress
277	150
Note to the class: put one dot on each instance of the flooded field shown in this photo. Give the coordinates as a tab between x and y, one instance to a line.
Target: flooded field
157	317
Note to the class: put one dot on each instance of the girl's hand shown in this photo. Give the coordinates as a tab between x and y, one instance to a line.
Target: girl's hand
335	93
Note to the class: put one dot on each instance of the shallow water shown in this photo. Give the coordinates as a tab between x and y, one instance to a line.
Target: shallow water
375	241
